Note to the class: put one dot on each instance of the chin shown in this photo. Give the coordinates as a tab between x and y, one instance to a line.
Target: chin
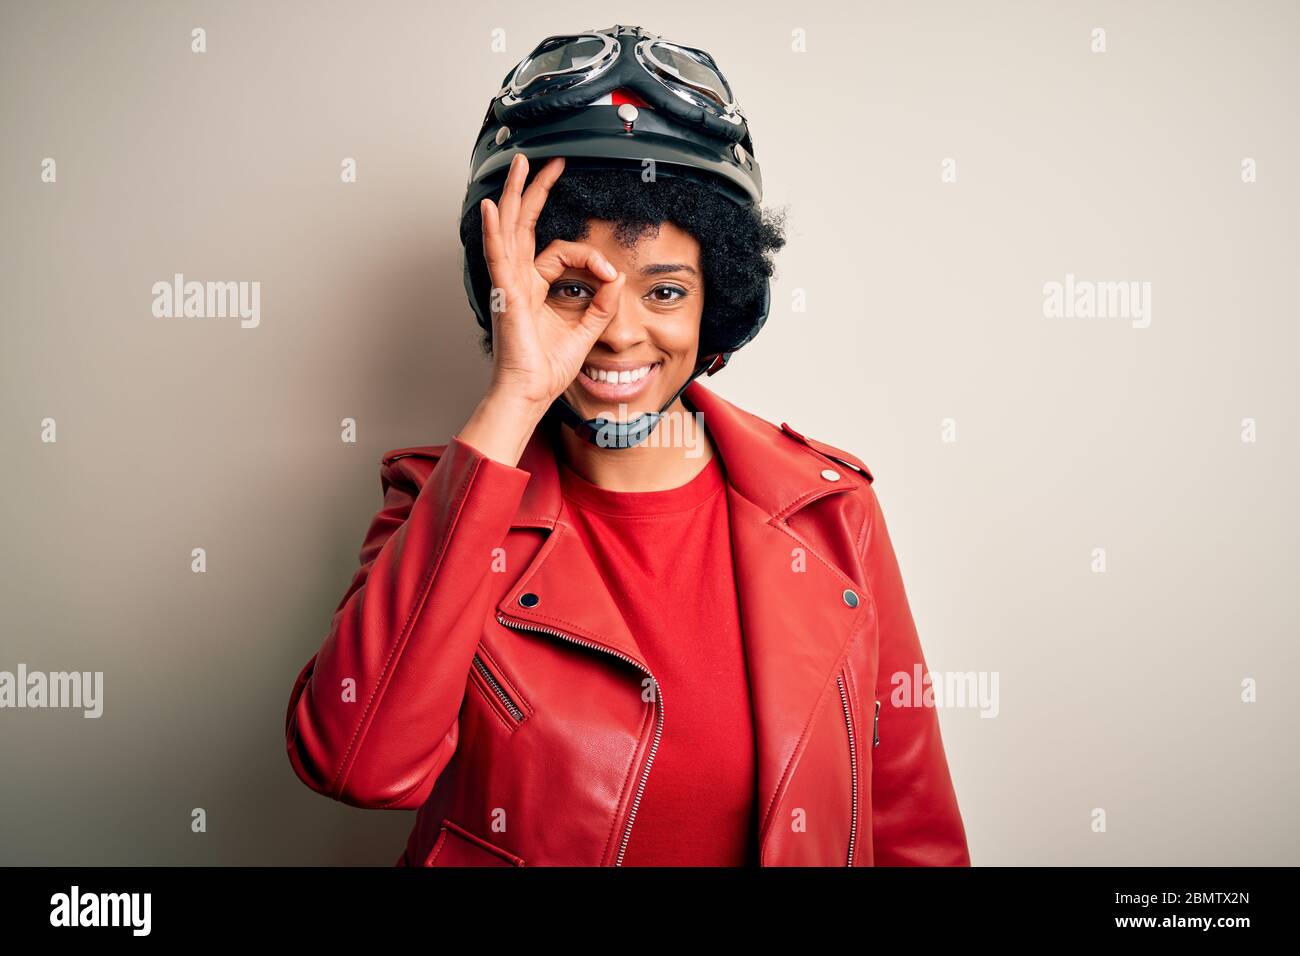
613	410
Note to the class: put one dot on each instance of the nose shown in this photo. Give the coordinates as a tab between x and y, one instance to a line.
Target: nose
626	329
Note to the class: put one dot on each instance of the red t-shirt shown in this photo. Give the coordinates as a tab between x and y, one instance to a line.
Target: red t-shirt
666	557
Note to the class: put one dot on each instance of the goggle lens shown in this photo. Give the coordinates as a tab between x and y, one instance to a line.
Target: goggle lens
691	68
559	55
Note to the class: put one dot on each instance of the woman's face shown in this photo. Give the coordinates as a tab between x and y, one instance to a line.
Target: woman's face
648	349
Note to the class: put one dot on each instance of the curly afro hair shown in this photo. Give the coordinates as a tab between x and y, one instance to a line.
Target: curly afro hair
736	242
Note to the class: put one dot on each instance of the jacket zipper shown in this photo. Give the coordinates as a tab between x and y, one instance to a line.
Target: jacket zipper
875	724
659	717
853	765
515	711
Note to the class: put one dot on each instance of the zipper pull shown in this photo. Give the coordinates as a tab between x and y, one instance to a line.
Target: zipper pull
875	737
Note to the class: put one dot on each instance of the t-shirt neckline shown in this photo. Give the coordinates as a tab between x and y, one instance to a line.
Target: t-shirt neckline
583	493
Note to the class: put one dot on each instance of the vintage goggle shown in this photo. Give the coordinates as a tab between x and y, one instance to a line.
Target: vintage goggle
562	63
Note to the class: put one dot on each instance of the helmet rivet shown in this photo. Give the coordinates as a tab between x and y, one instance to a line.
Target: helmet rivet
503	134
628	113
740	153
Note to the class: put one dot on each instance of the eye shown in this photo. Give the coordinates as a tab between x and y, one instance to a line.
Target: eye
576	289
681	293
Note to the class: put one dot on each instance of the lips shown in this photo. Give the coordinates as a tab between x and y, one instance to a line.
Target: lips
608	391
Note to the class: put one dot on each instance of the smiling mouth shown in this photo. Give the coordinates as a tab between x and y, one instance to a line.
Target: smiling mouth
612	386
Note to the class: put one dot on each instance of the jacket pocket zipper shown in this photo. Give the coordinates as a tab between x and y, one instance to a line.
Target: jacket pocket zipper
513	709
875	724
853	766
659	715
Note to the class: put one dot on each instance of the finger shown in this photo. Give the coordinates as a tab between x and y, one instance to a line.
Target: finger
510	195
562	254
534	200
498	258
493	248
604	305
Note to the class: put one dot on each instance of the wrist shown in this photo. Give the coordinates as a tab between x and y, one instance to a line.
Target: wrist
501	425
506	398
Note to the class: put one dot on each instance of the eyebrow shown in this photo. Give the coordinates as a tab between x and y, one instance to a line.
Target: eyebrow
660	268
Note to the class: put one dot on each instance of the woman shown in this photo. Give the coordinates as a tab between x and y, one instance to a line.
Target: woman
605	535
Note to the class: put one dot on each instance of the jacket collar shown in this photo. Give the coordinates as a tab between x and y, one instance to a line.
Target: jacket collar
796	626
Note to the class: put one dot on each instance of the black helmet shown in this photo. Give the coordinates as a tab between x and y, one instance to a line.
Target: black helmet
617	98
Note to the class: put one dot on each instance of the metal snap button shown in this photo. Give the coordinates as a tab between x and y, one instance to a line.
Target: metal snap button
830	474
850	597
529	599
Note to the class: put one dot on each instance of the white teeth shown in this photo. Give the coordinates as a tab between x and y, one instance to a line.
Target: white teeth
622	378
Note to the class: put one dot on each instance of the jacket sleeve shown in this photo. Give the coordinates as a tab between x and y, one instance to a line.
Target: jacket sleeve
915	820
372	719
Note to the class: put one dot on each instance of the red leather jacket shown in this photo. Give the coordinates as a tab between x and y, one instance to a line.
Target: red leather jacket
478	670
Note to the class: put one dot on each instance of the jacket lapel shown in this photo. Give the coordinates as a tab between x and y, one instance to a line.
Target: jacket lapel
571	596
796	624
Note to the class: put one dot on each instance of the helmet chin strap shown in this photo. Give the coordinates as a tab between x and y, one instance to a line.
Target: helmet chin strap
608	433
